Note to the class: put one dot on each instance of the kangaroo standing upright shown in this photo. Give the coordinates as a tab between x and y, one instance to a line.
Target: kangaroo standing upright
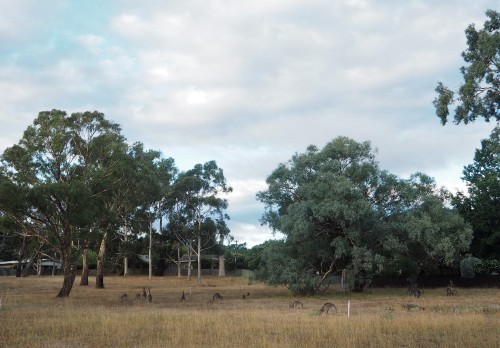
150	297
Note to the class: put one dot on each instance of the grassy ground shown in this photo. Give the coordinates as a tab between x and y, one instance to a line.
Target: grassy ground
31	316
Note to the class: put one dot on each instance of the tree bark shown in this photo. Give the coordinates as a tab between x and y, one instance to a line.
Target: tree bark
99	280
199	259
69	279
27	269
150	249
69	270
22	252
179	264
125	258
190	252
84	280
222	266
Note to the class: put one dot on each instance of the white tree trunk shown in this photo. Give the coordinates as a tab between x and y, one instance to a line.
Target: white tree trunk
190	252
150	248
179	264
125	259
199	259
222	266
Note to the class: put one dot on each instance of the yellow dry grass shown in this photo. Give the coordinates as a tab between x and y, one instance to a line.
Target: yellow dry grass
31	316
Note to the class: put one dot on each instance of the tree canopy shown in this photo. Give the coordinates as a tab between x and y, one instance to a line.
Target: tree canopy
338	211
72	181
481	206
479	94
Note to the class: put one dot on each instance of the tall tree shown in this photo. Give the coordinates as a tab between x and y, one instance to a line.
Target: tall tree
479	94
200	208
51	175
417	226
338	211
481	206
319	201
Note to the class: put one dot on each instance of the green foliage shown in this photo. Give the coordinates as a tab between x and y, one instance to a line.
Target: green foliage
481	206
281	268
468	267
479	95
487	267
338	211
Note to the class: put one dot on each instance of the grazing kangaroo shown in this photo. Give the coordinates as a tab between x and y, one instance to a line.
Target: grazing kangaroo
137	297
216	297
296	304
414	291
450	291
150	297
411	306
326	308
124	297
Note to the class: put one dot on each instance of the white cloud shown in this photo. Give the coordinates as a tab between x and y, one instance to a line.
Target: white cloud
247	83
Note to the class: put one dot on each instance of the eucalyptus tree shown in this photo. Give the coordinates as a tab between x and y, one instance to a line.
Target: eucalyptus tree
198	208
339	211
418	227
481	205
55	170
318	200
479	94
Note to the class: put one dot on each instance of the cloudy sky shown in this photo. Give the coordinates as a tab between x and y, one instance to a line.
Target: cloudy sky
247	83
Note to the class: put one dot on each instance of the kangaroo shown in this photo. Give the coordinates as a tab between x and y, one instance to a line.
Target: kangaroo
450	291
243	297
150	297
217	296
124	297
137	297
411	306
326	308
144	294
296	304
183	298
414	291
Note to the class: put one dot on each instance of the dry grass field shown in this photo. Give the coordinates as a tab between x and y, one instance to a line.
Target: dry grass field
31	316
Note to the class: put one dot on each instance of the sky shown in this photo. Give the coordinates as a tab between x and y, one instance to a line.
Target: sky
247	83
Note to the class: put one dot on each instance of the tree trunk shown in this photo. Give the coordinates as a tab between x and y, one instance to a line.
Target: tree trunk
222	266
39	267
125	259
199	259
190	252
69	279
27	269
179	264
84	280
22	252
150	249
99	280
69	271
